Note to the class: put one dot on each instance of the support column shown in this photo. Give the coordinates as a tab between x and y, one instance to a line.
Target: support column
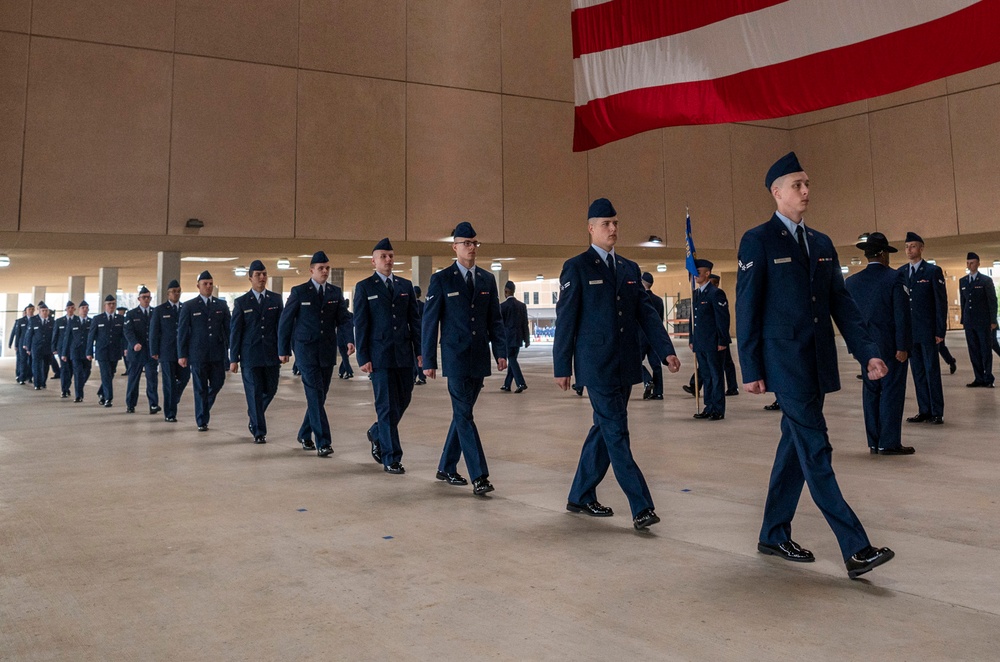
502	277
277	285
168	268
107	283
337	278
77	289
37	294
423	267
10	315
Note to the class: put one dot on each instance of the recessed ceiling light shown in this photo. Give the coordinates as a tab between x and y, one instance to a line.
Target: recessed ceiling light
4	261
284	263
195	258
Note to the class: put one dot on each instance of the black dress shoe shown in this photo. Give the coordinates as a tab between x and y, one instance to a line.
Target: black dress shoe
919	418
645	519
155	409
64	395
656	397
452	478
974	384
688	389
774	406
952	367
521	389
77	399
169	419
872	450
716	417
594	509
38	388
326	451
420	382
202	428
505	388
107	403
647	391
868	559
259	439
130	410
733	391
376	449
481	486
395	468
788	550
578	389
936	420
307	444
703	414
990	385
100	402
897	450
250	427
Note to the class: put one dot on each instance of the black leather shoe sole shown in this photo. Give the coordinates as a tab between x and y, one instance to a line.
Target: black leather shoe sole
774	550
587	509
859	570
899	450
451	479
645	520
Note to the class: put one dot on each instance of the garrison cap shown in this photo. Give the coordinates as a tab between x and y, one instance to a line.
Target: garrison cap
384	245
173	284
913	236
70	303
786	165
204	275
84	303
256	265
875	243
647	277
111	298
143	290
42	306
601	208
319	257
509	285
971	256
704	264
464	229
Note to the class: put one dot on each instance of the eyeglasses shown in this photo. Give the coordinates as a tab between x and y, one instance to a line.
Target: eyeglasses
468	243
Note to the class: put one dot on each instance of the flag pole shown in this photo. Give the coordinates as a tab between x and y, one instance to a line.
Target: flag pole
690	247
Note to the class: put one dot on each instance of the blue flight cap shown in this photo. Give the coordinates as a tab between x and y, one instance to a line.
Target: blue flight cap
705	264
41	305
319	257
70	303
204	275
416	291
601	208
971	256
256	265
111	298
509	285
464	229
84	303
786	165
913	236
383	245
648	277
172	284
143	290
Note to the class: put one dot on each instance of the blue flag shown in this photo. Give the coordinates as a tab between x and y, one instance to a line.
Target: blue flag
691	253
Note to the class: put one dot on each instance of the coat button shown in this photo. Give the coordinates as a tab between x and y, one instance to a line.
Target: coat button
473	333
816	320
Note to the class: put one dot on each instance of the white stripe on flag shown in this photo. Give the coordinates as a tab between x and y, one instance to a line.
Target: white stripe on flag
780	33
583	4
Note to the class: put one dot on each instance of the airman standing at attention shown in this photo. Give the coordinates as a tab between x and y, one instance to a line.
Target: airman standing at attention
929	321
253	347
387	330
104	342
203	344
652	377
710	336
979	317
163	348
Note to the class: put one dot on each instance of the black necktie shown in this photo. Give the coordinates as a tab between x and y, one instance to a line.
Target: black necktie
611	263
800	234
388	286
470	283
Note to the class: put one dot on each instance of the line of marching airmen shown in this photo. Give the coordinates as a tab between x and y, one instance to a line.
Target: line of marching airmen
789	290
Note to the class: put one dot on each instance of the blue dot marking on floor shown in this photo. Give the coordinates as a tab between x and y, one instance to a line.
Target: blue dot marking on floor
386	537
685	490
300	510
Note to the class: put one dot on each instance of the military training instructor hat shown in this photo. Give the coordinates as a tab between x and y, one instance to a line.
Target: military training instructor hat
786	165
874	244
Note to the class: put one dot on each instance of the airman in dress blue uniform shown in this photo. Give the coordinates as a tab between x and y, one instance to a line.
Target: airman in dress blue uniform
163	348
74	349
38	341
308	327
137	323
462	302
387	331
709	337
881	295
978	298
104	343
253	347
203	344
929	321
515	328
652	378
23	361
601	308
788	287
65	366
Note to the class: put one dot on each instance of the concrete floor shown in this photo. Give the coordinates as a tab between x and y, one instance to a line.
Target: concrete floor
125	538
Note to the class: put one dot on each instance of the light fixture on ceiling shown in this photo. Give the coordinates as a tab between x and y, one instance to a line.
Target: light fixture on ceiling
496	266
661	267
539	277
240	271
284	263
196	258
653	239
855	260
996	263
4	260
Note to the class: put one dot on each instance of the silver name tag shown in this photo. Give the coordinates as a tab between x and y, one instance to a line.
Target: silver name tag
307	303
453	294
597	282
248	311
374	296
195	314
782	260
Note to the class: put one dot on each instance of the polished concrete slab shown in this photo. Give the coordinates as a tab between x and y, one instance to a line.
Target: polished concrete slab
126	538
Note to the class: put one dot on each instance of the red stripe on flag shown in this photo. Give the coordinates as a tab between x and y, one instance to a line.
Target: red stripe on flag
624	22
958	42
